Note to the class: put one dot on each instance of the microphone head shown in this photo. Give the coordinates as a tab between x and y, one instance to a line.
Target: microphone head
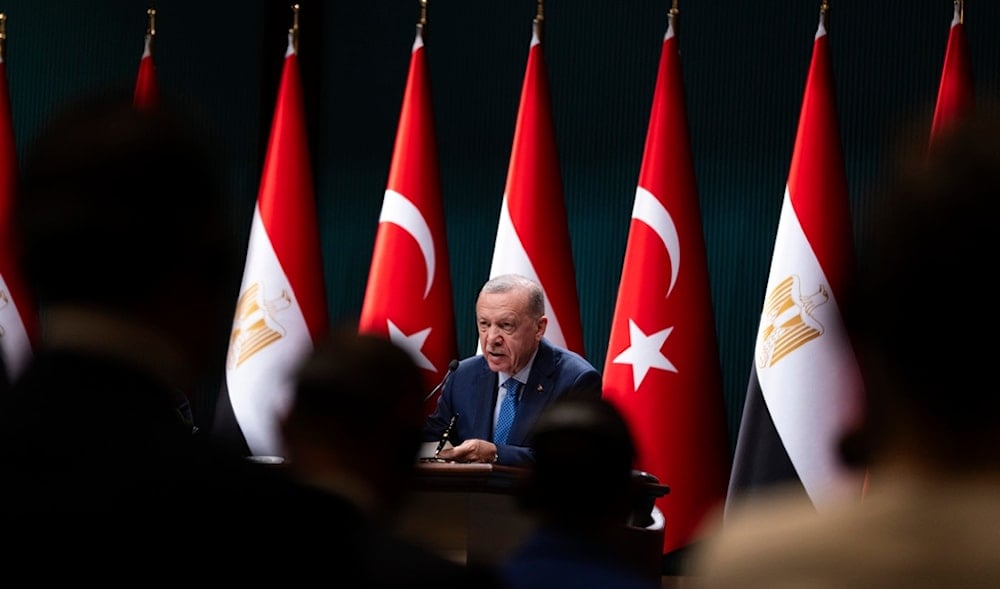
453	366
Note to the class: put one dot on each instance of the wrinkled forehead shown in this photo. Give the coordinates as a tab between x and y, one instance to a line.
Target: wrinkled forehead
498	305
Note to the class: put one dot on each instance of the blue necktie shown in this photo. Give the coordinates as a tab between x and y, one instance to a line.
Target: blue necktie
508	409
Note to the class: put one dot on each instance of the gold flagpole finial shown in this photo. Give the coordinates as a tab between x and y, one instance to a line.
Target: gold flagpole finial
824	12
961	10
294	31
151	22
674	10
539	17
150	27
3	36
423	12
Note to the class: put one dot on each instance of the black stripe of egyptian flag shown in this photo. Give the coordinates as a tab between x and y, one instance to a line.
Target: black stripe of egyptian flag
760	460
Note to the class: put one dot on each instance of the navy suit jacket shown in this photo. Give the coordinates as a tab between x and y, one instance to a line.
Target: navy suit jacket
471	392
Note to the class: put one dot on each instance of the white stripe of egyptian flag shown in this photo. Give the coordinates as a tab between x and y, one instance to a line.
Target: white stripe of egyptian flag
408	298
805	386
281	309
533	234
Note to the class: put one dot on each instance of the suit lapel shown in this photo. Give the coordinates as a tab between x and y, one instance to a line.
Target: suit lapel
534	395
486	392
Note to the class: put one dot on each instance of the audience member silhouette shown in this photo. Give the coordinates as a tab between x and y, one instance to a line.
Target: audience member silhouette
119	227
581	491
931	515
352	436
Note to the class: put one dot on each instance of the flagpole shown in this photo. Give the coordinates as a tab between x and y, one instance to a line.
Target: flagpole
294	31
146	94
150	27
539	18
3	36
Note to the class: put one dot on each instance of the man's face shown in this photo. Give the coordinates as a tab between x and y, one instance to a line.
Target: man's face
508	335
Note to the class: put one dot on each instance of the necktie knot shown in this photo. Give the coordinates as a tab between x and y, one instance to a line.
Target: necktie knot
513	389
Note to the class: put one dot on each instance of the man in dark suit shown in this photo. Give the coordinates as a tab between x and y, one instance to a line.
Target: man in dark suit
510	315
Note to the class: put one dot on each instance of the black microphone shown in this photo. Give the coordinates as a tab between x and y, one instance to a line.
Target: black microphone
452	366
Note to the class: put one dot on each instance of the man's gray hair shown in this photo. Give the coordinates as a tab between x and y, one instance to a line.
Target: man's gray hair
509	282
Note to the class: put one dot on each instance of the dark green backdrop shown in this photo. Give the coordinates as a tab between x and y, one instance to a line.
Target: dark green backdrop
745	65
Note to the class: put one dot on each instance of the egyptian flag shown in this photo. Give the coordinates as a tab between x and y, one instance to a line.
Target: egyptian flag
805	385
662	368
956	97
147	90
281	309
408	297
532	234
18	316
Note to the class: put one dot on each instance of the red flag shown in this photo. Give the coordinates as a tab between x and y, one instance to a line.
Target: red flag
408	297
662	368
147	90
532	234
956	98
805	387
281	310
18	317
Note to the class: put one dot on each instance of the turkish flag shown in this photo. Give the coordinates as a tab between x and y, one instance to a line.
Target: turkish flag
662	368
408	297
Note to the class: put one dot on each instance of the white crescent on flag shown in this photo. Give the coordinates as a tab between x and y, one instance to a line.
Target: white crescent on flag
399	210
650	210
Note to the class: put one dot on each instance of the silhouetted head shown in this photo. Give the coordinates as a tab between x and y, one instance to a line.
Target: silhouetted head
117	203
122	212
921	312
358	409
582	473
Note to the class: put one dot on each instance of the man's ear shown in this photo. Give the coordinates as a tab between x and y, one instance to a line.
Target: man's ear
543	321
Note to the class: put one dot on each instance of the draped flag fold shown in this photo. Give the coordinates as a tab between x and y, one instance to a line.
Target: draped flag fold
662	368
805	385
533	234
147	89
281	309
408	297
956	96
18	316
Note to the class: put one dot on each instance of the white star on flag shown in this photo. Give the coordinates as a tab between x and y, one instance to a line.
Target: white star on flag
644	353
412	343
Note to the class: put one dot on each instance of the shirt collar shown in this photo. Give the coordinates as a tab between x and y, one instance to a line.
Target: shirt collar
522	374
